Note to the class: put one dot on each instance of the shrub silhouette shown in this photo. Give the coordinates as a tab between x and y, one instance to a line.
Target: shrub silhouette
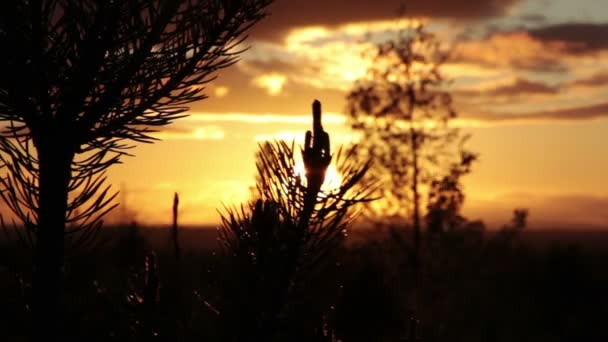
84	80
275	245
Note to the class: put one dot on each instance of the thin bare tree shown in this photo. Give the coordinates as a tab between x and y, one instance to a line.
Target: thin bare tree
403	107
82	82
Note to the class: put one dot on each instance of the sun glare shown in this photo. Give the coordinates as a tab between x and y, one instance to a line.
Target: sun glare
333	179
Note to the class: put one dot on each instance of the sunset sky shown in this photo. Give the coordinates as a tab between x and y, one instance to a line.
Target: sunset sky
530	82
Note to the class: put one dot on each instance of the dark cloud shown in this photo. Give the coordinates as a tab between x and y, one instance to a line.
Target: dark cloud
549	64
539	64
519	87
595	111
288	14
539	49
579	37
534	18
523	86
599	79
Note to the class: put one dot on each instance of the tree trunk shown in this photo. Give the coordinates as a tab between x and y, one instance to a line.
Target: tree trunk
48	273
416	194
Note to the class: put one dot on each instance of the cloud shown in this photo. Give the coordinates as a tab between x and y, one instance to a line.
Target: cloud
589	112
524	86
328	118
318	57
503	77
289	14
511	50
534	18
246	97
576	38
180	132
595	80
272	82
282	135
516	87
551	48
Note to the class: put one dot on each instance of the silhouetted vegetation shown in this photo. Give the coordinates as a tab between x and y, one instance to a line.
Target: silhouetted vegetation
102	75
278	244
82	81
480	288
403	109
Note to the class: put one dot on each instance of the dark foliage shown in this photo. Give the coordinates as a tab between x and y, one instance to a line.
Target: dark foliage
278	244
83	81
403	109
479	290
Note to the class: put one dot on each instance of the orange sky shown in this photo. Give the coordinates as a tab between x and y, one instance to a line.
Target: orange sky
530	84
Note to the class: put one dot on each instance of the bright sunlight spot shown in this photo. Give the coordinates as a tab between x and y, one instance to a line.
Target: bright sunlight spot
273	83
333	179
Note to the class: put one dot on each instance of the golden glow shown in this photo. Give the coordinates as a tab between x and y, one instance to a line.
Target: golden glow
221	91
204	132
209	157
309	34
333	179
208	133
273	82
339	52
341	62
296	38
457	71
371	27
282	135
328	118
